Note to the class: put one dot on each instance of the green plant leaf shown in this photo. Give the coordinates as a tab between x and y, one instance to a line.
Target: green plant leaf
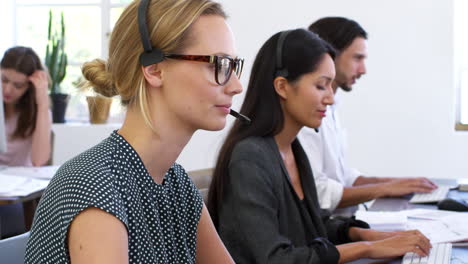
50	25
56	58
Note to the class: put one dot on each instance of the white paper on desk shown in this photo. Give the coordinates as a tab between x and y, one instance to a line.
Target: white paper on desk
31	186
458	222
12	186
8	183
428	214
383	221
45	172
438	231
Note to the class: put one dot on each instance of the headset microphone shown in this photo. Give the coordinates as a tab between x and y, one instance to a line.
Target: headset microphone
240	117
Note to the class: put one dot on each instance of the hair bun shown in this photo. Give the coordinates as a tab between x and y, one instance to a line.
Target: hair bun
97	76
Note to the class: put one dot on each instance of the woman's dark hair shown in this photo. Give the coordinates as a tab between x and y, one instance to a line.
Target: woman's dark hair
338	31
302	52
25	61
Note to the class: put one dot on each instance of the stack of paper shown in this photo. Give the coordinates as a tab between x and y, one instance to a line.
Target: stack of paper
384	221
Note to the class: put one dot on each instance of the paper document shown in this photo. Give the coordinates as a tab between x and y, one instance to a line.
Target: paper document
28	187
8	183
22	181
437	231
438	225
428	214
45	172
383	221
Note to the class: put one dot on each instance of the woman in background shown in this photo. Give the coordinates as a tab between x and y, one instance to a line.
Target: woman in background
126	200
27	123
263	198
26	108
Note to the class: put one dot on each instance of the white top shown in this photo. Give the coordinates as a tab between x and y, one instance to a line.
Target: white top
326	152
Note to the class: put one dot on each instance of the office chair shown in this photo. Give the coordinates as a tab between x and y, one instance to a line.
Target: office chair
12	249
11	220
202	179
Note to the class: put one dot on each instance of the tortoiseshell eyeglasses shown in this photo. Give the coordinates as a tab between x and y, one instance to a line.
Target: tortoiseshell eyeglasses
224	65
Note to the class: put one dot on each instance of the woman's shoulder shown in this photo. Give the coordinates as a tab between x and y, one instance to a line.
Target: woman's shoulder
180	180
186	196
101	158
253	148
88	180
94	160
90	173
178	174
257	154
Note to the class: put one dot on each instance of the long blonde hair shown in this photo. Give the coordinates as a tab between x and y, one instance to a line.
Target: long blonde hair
168	23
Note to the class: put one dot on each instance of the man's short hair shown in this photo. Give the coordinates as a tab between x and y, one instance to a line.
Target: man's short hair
338	31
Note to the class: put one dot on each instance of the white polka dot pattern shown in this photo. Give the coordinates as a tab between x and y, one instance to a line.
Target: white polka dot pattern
161	219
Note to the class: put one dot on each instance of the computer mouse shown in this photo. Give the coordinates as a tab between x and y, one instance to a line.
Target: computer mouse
453	205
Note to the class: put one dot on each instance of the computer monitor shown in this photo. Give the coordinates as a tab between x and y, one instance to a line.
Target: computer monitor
3	141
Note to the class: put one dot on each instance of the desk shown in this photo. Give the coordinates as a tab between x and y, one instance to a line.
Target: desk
29	206
27	193
398	204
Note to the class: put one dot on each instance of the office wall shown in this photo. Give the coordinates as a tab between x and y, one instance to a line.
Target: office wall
400	117
6	25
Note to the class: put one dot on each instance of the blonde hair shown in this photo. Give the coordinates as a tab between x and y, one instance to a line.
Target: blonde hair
168	24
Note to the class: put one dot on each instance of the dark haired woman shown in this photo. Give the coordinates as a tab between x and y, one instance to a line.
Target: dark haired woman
26	105
263	198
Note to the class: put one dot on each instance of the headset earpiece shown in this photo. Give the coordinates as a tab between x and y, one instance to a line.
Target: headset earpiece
150	55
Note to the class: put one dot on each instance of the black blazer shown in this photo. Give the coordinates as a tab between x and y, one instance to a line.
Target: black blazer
261	218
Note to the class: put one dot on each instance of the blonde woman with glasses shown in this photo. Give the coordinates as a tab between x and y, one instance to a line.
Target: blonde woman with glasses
126	200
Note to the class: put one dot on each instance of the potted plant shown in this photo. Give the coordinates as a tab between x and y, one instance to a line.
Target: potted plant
98	105
56	62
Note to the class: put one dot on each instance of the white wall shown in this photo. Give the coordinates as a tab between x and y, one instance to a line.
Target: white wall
6	25
400	117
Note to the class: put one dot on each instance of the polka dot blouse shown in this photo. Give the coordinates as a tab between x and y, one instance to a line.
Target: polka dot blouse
161	219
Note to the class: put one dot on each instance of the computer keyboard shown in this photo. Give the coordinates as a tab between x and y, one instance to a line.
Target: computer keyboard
439	254
437	195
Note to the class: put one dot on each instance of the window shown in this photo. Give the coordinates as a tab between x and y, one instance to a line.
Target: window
461	62
88	24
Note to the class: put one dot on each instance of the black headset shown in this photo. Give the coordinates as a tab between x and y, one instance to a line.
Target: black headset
150	54
281	71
